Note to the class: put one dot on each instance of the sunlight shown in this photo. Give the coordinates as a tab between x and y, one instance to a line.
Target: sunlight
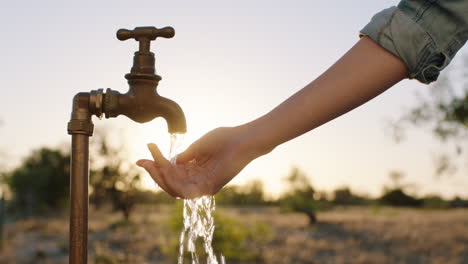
139	135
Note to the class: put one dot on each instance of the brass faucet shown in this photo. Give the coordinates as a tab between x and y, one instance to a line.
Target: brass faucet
141	103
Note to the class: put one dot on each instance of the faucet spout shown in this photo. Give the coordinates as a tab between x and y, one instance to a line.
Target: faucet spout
173	114
142	104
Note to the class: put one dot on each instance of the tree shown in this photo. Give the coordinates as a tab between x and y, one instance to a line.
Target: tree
254	194
395	194
458	202
434	201
247	195
443	111
41	182
300	196
397	197
113	178
344	196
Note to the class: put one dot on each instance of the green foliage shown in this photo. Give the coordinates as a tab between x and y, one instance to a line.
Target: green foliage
397	197
232	238
458	202
105	259
344	196
300	197
251	194
302	203
123	223
2	220
443	110
41	182
434	202
236	240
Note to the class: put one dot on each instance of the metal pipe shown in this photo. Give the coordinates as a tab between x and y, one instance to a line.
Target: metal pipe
2	217
81	128
79	199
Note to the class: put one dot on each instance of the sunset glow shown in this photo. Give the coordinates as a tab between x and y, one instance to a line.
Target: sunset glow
228	63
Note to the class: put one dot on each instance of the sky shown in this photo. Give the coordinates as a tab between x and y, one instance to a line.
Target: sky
229	62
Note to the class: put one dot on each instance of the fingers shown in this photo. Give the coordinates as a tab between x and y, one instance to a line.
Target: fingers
142	161
157	176
158	157
187	155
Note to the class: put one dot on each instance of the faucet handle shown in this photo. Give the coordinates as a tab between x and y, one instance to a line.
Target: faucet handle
144	35
145	32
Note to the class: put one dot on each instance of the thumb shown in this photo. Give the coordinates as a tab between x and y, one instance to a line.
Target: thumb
160	160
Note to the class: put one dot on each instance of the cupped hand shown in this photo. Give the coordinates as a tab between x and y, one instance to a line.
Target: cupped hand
205	167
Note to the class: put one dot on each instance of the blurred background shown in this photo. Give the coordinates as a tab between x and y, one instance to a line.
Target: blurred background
385	183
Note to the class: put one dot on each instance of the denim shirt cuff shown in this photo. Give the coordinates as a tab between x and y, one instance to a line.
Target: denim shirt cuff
399	34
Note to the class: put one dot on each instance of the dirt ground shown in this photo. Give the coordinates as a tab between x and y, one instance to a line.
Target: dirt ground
342	235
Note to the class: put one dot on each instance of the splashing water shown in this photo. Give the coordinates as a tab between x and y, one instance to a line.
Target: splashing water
198	218
198	222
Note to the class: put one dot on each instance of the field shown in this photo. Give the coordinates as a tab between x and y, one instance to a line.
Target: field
343	235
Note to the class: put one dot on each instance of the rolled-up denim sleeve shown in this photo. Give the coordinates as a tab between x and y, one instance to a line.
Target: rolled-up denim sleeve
425	34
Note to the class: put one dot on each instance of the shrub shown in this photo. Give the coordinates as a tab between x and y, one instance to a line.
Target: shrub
302	202
434	201
397	197
457	202
105	259
41	182
251	194
344	196
301	196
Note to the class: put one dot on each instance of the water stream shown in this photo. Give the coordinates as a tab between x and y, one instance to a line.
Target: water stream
198	221
176	143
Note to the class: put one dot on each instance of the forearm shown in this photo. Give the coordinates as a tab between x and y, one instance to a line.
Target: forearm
362	73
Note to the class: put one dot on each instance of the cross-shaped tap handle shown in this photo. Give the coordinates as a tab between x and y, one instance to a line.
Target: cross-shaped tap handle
144	35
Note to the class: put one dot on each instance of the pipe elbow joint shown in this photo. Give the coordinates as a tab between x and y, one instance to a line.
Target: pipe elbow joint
80	106
80	120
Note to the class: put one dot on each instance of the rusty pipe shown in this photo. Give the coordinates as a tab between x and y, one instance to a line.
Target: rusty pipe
81	128
79	199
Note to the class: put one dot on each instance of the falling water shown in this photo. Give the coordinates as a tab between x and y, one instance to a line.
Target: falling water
198	223
176	143
198	218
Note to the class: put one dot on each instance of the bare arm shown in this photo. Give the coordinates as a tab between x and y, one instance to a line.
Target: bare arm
364	72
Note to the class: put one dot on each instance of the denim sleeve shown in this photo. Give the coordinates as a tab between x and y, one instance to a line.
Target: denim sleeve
425	34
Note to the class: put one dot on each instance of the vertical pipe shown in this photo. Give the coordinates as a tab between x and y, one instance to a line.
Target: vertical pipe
2	217
79	199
